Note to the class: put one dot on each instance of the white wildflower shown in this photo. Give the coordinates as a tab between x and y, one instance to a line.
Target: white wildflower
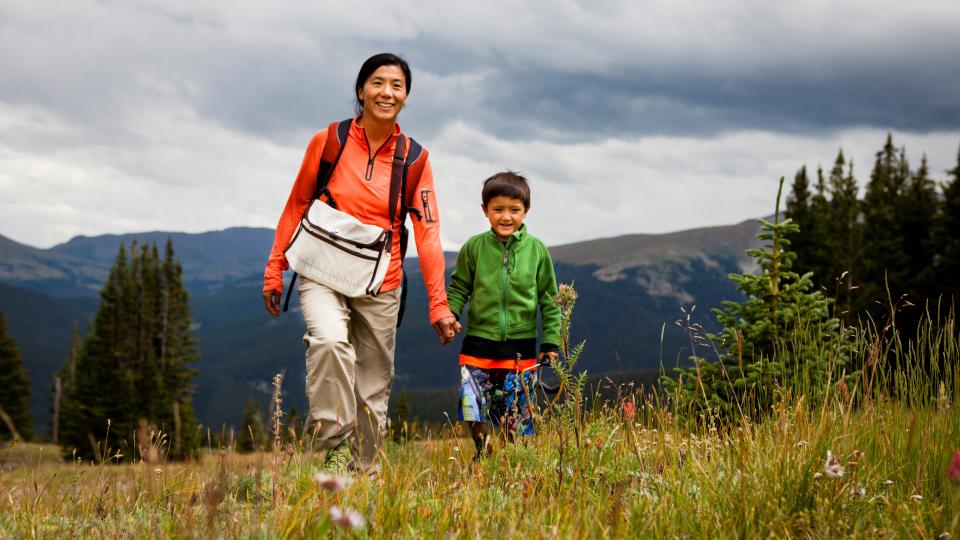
331	482
859	492
888	482
348	518
832	467
917	497
801	444
158	470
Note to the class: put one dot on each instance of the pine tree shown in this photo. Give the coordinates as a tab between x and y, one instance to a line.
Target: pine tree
844	234
63	379
138	348
177	351
253	431
819	257
799	212
918	214
14	389
773	338
947	263
884	260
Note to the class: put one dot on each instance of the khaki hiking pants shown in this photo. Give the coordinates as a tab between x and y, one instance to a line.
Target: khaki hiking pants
350	344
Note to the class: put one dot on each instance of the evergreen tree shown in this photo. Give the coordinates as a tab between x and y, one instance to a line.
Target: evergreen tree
64	378
918	214
14	388
799	212
884	260
843	233
775	337
947	243
819	259
177	351
253	431
133	364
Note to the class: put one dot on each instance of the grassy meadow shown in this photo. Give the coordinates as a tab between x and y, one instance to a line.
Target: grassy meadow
875	456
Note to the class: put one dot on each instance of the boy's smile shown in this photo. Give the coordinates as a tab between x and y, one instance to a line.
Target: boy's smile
506	215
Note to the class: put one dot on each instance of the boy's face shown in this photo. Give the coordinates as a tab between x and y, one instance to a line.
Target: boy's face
506	215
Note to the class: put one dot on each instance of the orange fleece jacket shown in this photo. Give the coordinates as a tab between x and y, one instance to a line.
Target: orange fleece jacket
366	200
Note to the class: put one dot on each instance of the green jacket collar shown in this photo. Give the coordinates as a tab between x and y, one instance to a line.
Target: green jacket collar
517	236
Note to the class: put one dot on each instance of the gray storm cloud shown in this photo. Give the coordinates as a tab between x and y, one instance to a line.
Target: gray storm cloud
187	102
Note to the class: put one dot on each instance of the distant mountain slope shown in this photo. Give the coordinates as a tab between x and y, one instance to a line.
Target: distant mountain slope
631	290
209	259
41	326
57	274
78	267
612	256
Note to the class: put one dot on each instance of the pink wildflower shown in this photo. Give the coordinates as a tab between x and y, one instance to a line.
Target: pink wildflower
350	519
953	473
629	409
332	483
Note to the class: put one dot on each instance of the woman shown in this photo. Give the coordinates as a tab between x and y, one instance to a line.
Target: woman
350	341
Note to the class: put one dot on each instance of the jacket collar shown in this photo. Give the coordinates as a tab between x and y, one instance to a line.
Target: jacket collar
359	135
517	236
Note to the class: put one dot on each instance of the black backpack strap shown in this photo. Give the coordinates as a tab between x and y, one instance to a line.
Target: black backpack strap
409	186
337	133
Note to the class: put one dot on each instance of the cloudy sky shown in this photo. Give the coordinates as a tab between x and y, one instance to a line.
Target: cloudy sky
627	116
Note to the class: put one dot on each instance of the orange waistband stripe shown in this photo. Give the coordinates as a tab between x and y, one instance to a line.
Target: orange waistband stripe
486	363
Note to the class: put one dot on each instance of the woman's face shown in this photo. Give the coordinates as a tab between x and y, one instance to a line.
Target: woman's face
384	94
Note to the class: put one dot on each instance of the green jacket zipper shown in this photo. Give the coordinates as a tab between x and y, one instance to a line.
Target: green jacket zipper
504	273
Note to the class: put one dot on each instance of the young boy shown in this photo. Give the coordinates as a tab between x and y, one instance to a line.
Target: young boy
506	275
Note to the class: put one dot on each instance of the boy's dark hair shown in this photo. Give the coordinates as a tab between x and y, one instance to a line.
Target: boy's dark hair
506	184
374	63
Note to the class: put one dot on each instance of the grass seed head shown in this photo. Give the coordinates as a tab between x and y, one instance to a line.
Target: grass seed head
832	467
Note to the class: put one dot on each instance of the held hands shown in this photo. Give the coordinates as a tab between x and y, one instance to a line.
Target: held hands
547	358
447	328
271	301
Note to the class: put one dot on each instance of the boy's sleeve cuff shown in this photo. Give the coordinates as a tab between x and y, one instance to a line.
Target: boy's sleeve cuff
549	348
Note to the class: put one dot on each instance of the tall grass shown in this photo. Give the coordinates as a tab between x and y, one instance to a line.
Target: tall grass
636	465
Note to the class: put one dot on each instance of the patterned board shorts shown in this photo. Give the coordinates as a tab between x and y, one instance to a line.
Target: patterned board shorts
495	396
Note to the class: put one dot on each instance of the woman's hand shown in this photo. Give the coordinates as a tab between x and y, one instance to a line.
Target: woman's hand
271	301
447	329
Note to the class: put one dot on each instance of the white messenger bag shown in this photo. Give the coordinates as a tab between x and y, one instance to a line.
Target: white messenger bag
339	251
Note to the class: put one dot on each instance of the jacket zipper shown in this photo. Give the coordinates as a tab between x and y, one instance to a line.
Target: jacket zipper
503	291
371	157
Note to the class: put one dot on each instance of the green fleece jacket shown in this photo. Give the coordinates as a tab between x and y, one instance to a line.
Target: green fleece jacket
505	284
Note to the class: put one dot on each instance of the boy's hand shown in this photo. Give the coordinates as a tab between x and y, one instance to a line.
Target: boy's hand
547	358
447	329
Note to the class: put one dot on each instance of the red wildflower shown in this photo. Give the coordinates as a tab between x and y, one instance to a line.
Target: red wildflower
953	473
628	410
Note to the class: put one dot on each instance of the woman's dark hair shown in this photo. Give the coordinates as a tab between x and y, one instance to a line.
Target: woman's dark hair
507	184
374	63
